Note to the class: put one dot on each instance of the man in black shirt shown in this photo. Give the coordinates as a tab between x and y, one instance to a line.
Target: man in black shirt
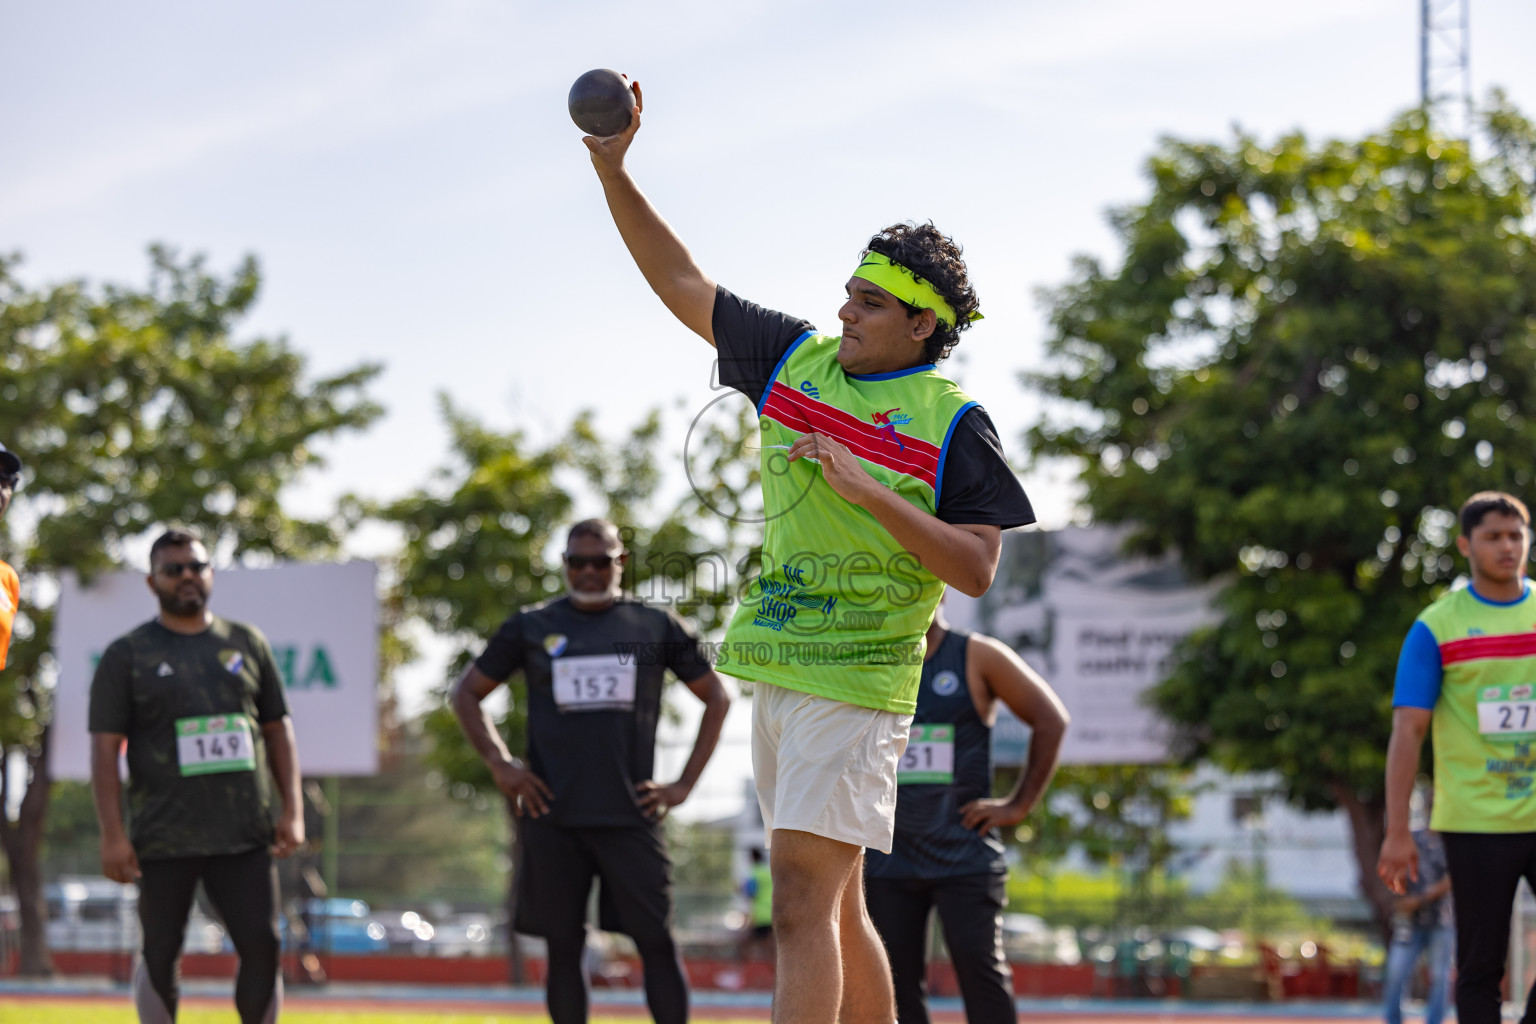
199	703
948	854
594	665
826	738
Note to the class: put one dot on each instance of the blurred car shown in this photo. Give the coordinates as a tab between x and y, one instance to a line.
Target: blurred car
463	935
1028	939
94	914
91	914
338	925
407	931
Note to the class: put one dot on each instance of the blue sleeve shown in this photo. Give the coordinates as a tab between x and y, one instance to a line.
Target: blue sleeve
1418	670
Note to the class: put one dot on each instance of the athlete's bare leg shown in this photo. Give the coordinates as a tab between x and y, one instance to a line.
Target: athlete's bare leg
869	997
811	874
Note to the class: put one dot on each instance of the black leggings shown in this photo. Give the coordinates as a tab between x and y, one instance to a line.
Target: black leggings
243	889
1485	869
635	876
969	907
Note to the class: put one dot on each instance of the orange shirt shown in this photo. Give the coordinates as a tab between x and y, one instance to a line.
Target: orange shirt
10	600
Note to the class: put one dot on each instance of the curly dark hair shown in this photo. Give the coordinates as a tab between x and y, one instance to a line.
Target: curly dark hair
936	258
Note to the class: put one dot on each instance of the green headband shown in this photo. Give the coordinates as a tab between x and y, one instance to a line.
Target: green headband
878	270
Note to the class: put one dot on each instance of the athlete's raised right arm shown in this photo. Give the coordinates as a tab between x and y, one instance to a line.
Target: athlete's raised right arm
658	252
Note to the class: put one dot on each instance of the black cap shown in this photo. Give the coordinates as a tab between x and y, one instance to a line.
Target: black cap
9	463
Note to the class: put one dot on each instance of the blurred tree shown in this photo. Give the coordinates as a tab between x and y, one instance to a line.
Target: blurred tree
1307	357
135	408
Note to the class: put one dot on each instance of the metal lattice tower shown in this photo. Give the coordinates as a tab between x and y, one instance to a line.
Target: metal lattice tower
1445	65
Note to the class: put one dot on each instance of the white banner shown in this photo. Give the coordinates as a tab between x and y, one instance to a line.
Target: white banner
322	621
1106	655
1098	626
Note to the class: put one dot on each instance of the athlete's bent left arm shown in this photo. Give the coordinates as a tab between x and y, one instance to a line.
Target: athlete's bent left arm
283	757
1031	698
965	557
656	799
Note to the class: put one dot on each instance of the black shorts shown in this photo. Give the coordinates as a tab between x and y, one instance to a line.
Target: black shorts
557	866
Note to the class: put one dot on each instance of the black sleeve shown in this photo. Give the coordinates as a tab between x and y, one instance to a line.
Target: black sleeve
110	709
271	701
979	486
686	657
750	341
504	655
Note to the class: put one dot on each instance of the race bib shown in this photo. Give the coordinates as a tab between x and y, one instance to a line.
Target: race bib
215	743
1507	712
930	755
596	682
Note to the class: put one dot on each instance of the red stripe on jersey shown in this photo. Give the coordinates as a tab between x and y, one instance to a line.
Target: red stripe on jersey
798	412
1482	648
805	402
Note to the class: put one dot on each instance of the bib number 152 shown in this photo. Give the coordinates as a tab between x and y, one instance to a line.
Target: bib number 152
594	683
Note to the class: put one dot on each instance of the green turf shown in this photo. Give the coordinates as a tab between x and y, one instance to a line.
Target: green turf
97	1013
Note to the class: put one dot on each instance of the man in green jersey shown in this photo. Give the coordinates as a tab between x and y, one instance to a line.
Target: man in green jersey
1467	675
882	483
198	701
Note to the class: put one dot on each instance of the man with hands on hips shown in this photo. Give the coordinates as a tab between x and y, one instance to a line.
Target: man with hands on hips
593	664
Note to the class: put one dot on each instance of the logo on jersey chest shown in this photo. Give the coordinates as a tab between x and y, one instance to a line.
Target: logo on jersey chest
946	683
555	644
232	660
887	422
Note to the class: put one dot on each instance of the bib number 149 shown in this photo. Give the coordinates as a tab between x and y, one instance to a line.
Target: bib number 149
215	743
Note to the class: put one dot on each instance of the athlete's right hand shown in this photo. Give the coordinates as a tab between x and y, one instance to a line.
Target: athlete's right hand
526	790
608	154
1399	860
118	861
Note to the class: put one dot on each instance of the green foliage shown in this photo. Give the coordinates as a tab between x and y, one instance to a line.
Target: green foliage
406	836
1244	898
137	408
702	857
71	840
1110	813
1307	357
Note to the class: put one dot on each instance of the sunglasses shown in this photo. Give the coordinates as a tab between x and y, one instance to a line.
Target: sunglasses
590	561
9	479
175	569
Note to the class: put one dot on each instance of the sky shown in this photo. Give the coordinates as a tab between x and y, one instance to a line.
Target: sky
409	178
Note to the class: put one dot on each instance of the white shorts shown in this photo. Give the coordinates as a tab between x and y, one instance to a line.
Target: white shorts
826	767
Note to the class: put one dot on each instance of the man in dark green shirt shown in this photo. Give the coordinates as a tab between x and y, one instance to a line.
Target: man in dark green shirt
198	702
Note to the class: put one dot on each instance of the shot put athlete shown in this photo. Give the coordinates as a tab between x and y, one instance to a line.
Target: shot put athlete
594	664
199	702
947	854
882	483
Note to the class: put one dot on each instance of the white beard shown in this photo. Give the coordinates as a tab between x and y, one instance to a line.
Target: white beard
591	598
